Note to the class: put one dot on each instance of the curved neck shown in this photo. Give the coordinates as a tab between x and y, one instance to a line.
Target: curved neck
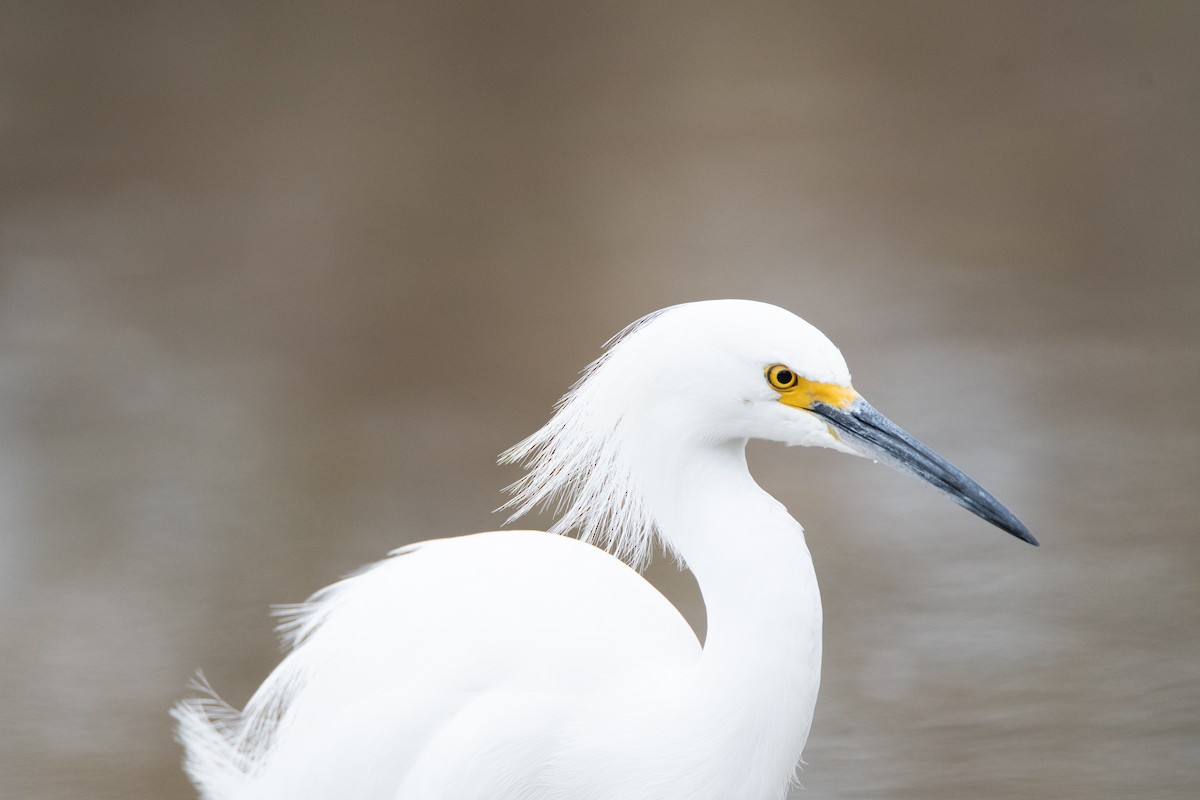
760	667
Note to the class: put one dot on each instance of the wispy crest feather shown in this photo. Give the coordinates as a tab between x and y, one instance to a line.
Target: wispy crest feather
577	463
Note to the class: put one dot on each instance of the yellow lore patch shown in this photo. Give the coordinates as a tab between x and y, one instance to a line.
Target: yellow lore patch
797	392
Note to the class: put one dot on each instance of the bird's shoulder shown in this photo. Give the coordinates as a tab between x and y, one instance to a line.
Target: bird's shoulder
392	660
533	602
504	610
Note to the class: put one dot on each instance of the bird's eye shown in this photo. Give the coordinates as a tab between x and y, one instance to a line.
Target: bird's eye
780	377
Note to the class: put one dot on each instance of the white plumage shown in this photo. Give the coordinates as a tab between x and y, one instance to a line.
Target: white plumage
525	665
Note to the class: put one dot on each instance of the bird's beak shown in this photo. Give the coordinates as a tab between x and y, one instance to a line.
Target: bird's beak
863	429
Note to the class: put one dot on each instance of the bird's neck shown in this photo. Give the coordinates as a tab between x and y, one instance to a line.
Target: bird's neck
760	667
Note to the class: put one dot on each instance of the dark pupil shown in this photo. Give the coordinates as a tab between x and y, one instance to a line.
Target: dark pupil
783	376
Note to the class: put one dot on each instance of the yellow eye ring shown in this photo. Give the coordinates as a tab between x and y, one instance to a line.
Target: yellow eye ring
782	378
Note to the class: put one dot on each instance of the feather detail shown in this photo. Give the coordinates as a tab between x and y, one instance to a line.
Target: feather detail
577	463
208	729
227	748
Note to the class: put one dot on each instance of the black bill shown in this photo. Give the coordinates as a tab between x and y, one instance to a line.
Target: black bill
864	429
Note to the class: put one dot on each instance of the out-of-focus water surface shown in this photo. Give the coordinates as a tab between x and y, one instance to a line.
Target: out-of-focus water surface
278	282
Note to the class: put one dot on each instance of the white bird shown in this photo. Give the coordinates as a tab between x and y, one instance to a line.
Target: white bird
521	665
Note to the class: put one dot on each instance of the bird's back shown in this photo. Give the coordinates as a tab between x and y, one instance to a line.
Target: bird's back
386	661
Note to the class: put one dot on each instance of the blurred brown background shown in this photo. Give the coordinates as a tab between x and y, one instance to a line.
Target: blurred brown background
279	281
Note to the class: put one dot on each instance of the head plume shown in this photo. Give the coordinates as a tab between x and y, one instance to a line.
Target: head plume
577	463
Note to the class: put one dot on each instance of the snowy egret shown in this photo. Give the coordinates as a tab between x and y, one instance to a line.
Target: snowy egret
523	665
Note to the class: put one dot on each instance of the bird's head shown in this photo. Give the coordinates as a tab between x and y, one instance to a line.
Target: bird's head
714	372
